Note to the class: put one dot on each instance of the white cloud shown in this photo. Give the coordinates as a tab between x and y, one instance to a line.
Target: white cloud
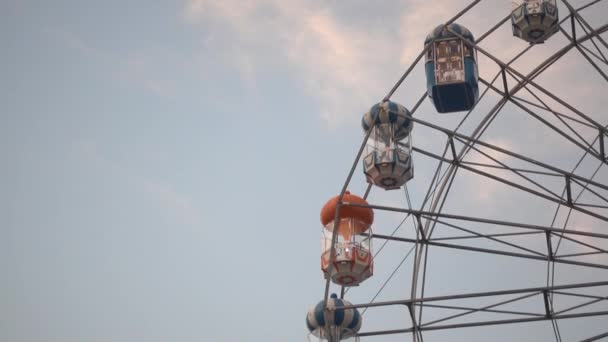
343	64
347	67
415	23
343	67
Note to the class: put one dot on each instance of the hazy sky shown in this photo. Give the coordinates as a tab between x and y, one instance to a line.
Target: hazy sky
163	164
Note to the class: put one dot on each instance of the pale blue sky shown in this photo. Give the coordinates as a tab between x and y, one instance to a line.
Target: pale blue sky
164	164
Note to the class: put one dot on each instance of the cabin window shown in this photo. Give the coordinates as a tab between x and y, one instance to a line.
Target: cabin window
533	6
429	55
454	49
449	66
467	51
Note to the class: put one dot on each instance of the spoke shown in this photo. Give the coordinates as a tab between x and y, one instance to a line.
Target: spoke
485	308
581	305
595	338
488	237
583	244
483	236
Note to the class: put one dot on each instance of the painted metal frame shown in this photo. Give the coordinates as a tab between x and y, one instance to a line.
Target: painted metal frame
441	184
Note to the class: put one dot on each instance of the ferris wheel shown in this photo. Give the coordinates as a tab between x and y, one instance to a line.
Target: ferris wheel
479	204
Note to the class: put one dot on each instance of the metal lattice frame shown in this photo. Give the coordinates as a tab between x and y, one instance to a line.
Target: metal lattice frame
458	145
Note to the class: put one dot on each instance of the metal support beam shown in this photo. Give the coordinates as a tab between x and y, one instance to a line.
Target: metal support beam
529	79
595	338
553	198
568	191
491	251
548	313
504	83
550	255
573	27
602	147
583	21
589	149
546	291
483	220
455	160
477	295
416	336
442	187
485	323
420	228
487	307
470	139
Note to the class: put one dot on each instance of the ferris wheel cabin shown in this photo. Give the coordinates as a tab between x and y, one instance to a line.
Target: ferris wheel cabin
337	325
352	260
387	162
535	20
451	69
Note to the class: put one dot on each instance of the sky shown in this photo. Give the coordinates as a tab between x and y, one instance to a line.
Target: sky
164	164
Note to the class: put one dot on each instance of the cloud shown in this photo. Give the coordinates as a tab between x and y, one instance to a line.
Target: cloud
342	66
415	24
345	65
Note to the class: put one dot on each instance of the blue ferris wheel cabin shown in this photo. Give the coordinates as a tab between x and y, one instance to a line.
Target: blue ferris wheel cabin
451	69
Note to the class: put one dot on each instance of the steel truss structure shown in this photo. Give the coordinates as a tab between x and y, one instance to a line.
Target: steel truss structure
569	191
